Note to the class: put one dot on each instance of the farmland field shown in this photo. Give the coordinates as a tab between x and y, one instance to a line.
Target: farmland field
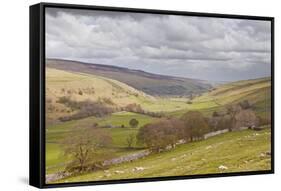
56	132
237	151
248	148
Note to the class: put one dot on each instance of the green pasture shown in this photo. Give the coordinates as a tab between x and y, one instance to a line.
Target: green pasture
55	160
237	151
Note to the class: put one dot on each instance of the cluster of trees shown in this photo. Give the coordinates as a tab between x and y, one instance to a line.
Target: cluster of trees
193	126
99	108
106	100
84	144
89	90
84	108
237	116
159	135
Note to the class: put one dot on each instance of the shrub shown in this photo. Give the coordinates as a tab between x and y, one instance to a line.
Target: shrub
215	114
49	100
264	121
106	100
89	90
245	104
134	123
69	92
49	105
80	92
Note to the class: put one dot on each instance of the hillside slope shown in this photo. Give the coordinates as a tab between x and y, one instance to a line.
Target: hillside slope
256	91
81	87
237	151
72	84
152	84
55	161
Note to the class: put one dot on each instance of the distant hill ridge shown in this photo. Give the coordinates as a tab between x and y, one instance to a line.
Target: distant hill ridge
153	84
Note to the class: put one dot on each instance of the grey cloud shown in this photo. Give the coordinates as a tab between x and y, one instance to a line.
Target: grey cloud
55	12
199	47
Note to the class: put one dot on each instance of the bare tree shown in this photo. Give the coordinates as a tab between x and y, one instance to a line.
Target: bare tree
246	118
245	104
83	144
242	115
232	110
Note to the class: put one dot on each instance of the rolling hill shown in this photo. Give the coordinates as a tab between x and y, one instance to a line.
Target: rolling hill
256	91
152	84
82	86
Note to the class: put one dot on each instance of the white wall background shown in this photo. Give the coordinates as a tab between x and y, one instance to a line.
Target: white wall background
14	39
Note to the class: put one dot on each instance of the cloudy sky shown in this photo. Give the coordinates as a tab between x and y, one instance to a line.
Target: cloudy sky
195	47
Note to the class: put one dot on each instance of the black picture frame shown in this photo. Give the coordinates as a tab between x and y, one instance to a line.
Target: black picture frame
37	93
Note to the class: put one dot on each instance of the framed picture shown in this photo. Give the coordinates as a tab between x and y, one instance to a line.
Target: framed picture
129	95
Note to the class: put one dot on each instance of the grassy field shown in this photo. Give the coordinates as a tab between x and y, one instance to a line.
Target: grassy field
66	84
61	83
55	161
257	91
238	151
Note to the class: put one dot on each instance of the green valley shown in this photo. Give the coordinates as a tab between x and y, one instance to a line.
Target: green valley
69	93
